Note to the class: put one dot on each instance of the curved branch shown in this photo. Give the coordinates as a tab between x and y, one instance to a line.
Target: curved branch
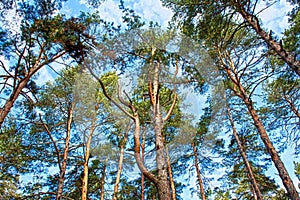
137	153
107	95
174	98
53	141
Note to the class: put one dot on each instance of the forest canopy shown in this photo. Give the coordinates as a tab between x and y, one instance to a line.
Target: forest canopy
108	100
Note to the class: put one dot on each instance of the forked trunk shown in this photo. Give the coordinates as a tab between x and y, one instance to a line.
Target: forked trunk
18	87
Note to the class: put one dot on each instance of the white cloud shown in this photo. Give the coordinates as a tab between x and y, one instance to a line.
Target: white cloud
274	18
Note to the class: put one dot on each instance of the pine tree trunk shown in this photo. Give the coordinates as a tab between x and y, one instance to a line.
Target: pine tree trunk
202	192
63	167
18	87
173	189
163	183
143	160
103	182
252	20
256	190
120	165
13	97
284	175
84	190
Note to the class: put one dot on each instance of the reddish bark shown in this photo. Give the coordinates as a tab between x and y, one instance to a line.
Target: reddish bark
252	20
22	83
103	182
173	189
240	91
202	192
84	190
256	190
63	167
120	165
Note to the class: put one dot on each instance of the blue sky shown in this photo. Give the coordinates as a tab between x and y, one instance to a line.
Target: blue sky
273	18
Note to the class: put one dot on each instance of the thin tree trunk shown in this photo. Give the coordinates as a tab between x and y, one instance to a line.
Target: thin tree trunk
173	189
103	182
202	192
63	168
143	160
120	165
241	93
84	190
292	106
256	190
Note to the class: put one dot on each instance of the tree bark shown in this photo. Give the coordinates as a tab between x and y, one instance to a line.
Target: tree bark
18	87
292	106
163	183
256	190
173	189
239	91
284	175
84	190
120	165
103	182
252	20
63	167
143	160
202	192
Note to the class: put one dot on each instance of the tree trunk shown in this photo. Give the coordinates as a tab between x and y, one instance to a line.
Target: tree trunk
173	189
163	183
284	175
84	190
18	87
252	20
143	160
256	190
63	167
13	97
120	165
202	192
103	182
292	106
